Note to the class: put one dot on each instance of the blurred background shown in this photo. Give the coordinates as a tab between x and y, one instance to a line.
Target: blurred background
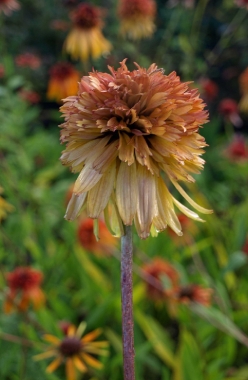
190	292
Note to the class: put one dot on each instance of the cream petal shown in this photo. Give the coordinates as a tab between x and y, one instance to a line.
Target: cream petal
99	195
147	203
126	148
75	205
102	162
185	210
112	218
126	192
87	179
166	213
187	197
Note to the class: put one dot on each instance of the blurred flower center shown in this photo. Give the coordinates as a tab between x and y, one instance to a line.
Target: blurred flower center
61	70
85	16
186	291
70	346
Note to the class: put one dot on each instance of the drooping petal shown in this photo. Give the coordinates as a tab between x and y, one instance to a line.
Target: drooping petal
126	192
185	210
75	205
147	202
90	360
187	197
99	195
79	364
70	369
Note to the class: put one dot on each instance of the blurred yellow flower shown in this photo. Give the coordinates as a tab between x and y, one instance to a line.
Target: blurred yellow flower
77	353
86	38
128	134
137	18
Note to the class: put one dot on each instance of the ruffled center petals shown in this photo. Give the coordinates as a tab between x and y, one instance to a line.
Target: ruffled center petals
126	192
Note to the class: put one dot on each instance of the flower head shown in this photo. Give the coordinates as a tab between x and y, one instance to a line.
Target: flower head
8	6
193	293
77	353
137	18
24	288
85	38
158	274
129	133
87	239
32	61
243	83
229	109
63	81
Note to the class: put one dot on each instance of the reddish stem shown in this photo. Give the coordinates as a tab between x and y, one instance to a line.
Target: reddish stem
127	304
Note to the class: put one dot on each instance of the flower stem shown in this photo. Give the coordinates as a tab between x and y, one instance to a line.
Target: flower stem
127	304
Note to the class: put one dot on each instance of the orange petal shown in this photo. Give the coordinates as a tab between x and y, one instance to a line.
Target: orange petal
91	361
70	370
54	365
52	339
91	336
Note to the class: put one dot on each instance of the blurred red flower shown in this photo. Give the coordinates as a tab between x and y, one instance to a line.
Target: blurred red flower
237	150
63	81
29	60
29	96
154	272
8	6
24	288
209	88
193	293
87	239
242	3
2	71
229	109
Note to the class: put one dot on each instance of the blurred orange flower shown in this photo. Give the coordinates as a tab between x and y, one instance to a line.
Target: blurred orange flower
229	109
29	60
24	288
77	353
123	130
87	239
243	83
193	293
155	272
86	38
63	81
137	18
8	6
237	150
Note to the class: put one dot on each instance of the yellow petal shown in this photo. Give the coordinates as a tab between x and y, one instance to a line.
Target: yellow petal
91	336
91	361
70	370
52	339
99	195
126	148
87	179
112	218
126	192
185	210
187	197
54	365
45	355
79	364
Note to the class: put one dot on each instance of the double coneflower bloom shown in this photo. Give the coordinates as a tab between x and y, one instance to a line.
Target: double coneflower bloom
137	18
24	289
130	134
86	38
75	351
63	81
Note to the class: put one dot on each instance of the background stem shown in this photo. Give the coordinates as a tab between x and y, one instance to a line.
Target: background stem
127	303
